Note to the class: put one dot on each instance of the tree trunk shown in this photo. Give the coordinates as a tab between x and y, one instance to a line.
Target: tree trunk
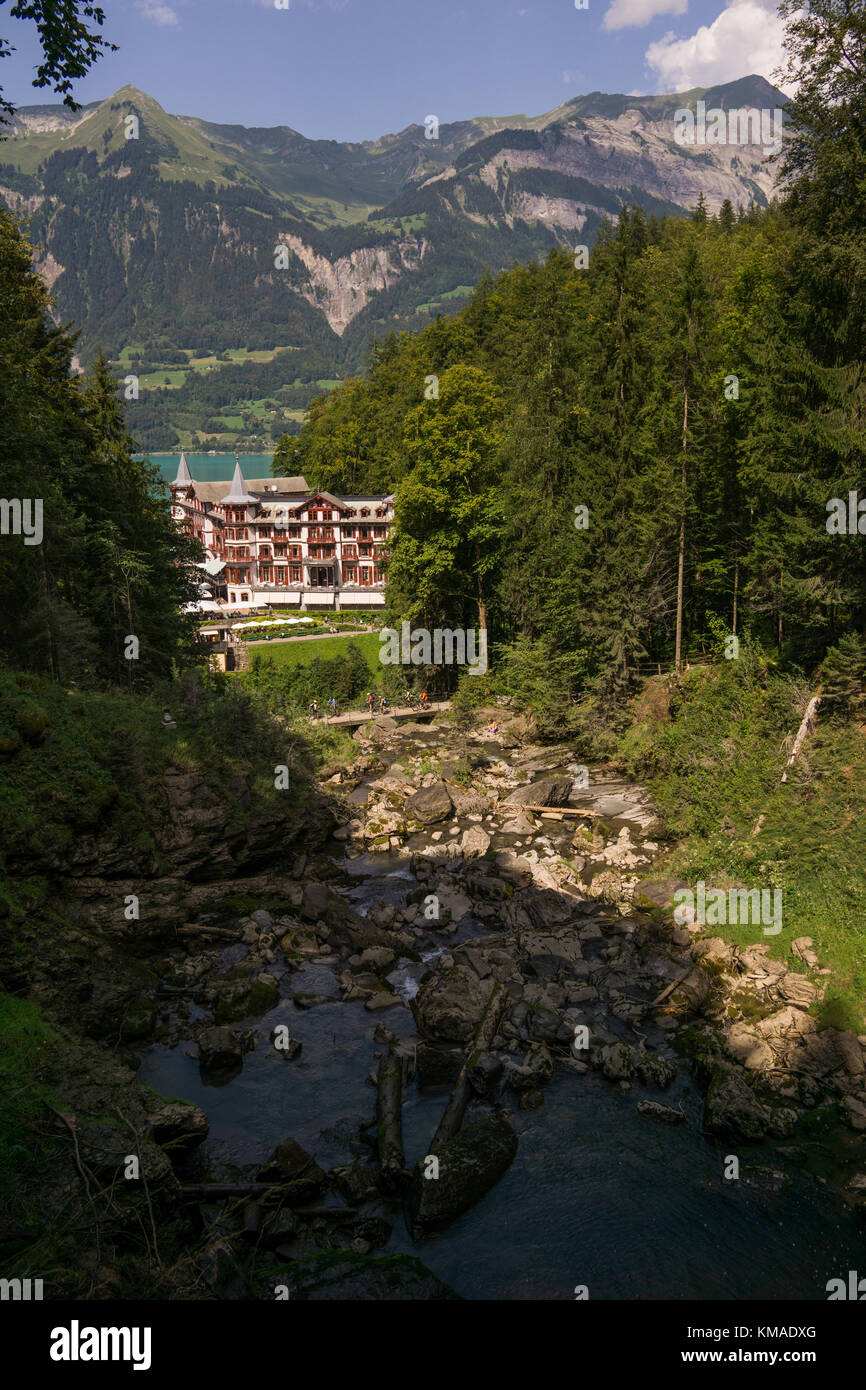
389	1116
482	603
452	1118
736	585
806	726
681	555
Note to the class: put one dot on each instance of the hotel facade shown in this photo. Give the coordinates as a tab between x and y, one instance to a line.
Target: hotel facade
272	541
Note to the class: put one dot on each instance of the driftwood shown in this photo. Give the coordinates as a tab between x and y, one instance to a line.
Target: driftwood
514	807
389	1116
802	733
807	724
460	1096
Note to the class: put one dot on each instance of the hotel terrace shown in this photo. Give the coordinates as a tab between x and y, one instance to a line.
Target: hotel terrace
272	541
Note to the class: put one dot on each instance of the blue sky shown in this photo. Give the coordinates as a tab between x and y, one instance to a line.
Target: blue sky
357	69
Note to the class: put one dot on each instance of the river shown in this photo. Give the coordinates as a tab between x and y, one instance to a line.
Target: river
598	1194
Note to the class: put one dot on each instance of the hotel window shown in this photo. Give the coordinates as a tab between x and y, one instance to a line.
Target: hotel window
282	575
350	574
294	574
365	511
266	574
265	553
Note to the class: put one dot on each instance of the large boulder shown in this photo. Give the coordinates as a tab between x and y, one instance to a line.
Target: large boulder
469	1166
535	1070
550	952
430	804
179	1127
450	1004
297	1170
733	1108
220	1049
245	996
548	791
345	927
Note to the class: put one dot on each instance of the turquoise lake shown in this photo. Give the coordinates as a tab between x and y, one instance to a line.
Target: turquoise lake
207	468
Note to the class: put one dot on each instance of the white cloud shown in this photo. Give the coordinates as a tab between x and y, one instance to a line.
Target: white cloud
634	14
160	14
745	38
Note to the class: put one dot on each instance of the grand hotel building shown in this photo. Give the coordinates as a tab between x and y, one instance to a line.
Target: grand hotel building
272	541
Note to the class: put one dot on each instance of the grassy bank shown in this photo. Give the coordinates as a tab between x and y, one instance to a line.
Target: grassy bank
713	752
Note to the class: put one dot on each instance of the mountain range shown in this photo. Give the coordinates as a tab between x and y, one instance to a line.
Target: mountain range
238	271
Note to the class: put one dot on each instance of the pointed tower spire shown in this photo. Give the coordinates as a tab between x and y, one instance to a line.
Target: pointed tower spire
237	493
184	477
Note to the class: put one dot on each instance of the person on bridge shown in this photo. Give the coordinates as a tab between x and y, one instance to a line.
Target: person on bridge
423	699
332	708
370	701
384	704
314	709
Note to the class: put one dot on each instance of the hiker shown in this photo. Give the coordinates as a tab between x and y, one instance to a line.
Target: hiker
168	721
384	704
423	699
370	701
410	699
493	726
314	709
332	707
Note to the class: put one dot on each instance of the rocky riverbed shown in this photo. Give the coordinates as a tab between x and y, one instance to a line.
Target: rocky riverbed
466	1029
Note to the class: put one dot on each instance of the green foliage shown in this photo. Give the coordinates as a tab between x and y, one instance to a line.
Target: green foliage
68	47
111	563
843	673
713	760
96	766
289	686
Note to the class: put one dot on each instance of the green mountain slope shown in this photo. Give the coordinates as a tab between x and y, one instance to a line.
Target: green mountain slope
375	235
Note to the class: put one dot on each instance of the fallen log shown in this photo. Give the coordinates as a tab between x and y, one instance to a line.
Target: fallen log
669	989
802	733
218	1191
513	807
460	1096
389	1116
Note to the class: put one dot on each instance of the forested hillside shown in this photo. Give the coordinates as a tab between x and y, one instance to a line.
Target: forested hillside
627	462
